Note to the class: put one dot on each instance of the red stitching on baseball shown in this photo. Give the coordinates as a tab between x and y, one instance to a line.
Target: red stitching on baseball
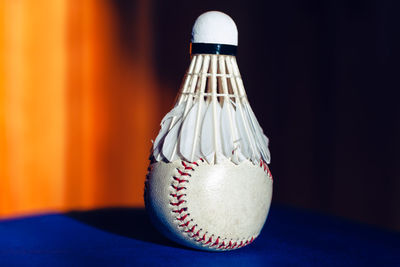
184	224
177	203
266	169
179	180
191	229
183	173
177	196
187	167
209	241
215	243
183	216
202	239
180	210
177	188
196	234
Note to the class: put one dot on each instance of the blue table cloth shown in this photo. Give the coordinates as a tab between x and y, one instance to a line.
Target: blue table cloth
124	237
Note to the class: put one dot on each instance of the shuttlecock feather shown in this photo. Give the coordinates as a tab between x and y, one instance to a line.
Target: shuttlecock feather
212	118
189	139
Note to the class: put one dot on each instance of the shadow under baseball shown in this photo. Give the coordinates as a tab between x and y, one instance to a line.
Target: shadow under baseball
128	222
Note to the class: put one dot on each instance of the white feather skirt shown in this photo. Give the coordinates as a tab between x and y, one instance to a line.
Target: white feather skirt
212	118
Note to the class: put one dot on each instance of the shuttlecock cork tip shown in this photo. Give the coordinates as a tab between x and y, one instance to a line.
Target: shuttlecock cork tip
214	27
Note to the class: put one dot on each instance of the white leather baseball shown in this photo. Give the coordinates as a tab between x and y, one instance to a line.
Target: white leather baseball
210	207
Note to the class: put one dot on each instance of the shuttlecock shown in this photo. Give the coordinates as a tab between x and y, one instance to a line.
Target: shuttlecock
209	186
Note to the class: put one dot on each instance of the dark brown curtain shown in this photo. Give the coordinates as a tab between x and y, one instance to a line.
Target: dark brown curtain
323	79
84	85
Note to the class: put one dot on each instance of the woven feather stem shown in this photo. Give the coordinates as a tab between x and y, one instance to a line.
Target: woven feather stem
201	89
193	85
225	90
188	80
214	106
237	77
199	116
224	83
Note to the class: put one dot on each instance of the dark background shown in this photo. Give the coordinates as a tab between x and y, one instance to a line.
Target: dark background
323	80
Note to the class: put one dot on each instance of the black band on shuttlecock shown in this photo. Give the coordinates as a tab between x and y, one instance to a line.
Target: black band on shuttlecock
219	49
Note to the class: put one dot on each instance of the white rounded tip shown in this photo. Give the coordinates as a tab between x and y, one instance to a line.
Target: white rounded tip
214	27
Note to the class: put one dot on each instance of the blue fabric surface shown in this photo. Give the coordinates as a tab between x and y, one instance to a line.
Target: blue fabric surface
124	237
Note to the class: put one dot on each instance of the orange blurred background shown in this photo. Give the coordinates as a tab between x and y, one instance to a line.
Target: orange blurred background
78	105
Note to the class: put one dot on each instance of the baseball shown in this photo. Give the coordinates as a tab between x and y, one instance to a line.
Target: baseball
215	207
